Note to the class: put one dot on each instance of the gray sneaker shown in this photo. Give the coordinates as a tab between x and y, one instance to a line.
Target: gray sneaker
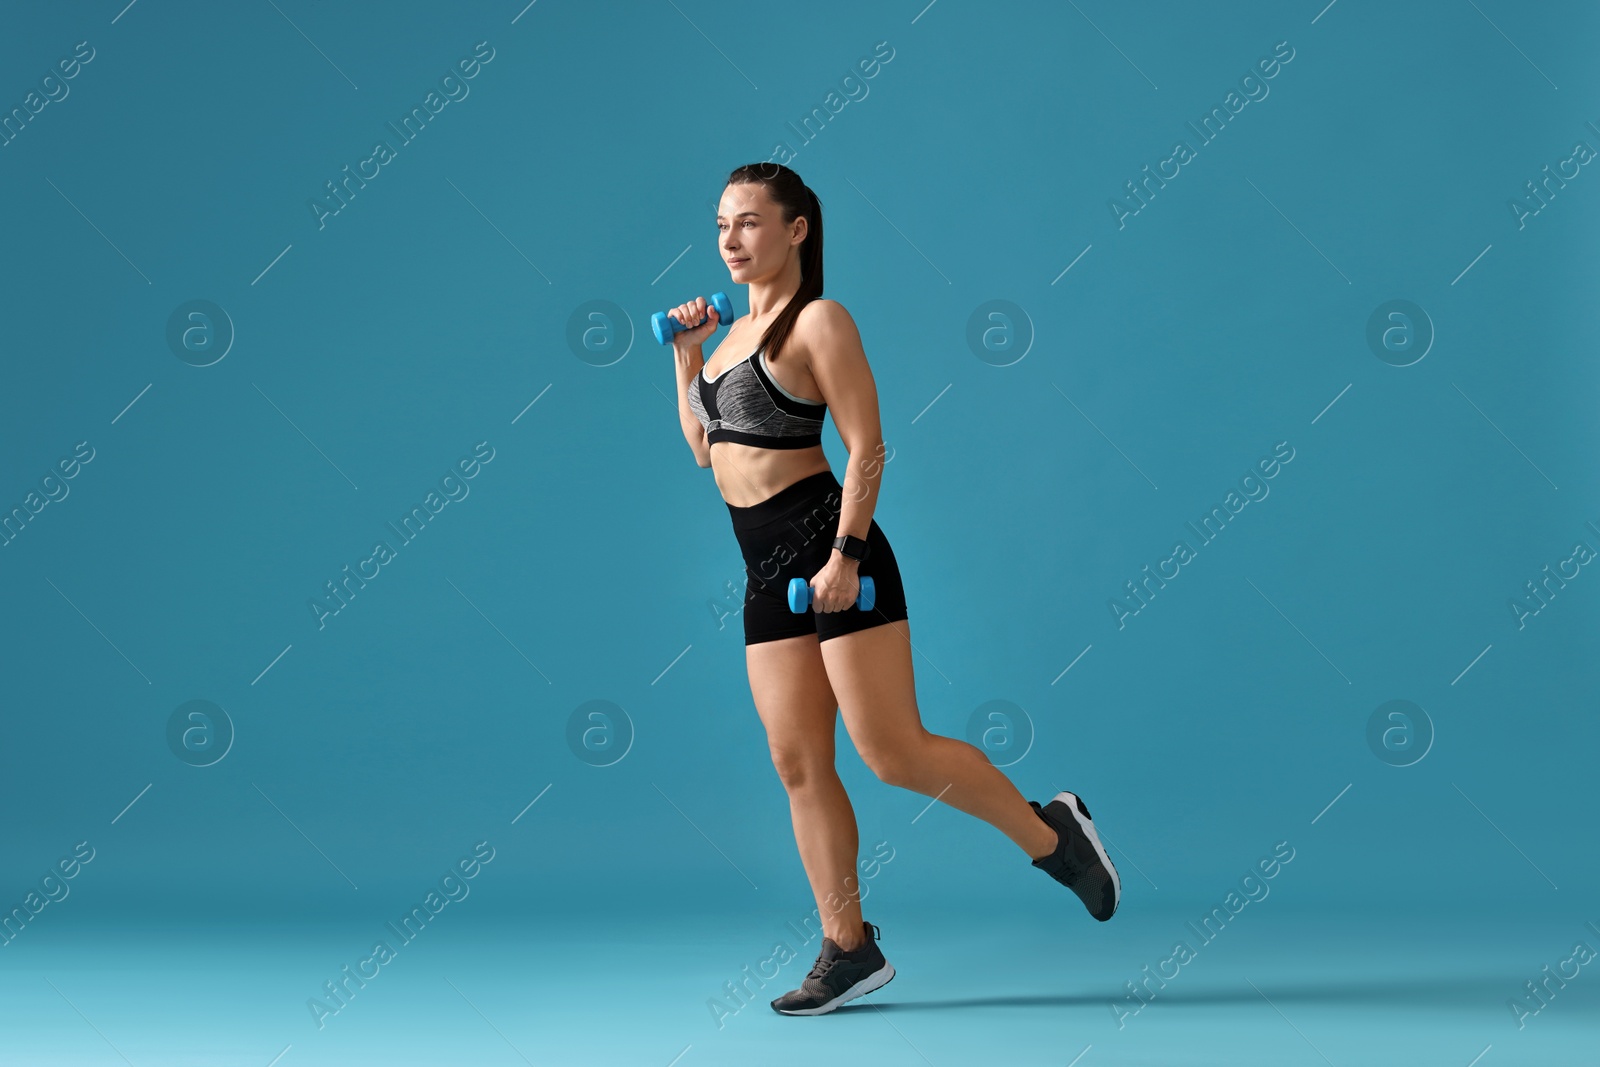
1079	862
838	976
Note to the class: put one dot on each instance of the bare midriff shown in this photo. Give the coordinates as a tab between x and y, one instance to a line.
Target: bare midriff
748	474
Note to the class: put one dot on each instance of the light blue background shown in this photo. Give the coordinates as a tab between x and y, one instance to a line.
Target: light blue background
586	563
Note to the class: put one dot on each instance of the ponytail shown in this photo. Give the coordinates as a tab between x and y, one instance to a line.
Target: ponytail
795	198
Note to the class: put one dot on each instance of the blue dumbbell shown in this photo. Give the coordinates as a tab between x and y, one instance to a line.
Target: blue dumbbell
665	326
800	592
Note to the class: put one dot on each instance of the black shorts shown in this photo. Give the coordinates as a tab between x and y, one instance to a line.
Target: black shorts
790	535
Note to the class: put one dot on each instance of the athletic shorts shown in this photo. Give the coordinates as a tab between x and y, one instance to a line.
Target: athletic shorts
790	535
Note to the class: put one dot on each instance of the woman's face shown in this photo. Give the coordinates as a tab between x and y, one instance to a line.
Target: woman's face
754	241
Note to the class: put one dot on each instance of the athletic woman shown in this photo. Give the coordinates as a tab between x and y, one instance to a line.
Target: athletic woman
754	416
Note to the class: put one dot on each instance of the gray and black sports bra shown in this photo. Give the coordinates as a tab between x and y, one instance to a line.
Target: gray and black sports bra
746	405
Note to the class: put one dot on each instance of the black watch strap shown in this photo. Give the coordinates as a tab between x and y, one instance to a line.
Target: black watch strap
854	547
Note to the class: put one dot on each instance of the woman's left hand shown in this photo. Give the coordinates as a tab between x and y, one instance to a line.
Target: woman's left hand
836	586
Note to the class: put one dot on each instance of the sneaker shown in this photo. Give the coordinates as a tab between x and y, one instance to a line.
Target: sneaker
838	976
1079	862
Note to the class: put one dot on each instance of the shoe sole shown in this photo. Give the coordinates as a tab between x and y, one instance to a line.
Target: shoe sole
1086	824
876	980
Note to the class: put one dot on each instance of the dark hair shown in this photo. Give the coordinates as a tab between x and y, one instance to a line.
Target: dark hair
795	198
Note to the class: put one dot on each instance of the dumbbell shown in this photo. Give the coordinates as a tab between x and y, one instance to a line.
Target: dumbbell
800	592
665	326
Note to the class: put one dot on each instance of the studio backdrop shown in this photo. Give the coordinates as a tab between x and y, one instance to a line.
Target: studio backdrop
1236	374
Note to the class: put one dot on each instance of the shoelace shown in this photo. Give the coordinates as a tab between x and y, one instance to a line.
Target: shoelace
1065	857
821	968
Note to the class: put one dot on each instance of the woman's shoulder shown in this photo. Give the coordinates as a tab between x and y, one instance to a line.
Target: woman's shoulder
825	310
824	330
822	322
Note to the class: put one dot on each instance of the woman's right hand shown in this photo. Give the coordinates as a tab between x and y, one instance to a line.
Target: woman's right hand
693	311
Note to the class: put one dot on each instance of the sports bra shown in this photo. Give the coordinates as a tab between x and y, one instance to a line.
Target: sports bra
746	405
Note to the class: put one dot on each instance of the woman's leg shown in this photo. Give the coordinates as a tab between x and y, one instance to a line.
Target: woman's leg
798	709
870	671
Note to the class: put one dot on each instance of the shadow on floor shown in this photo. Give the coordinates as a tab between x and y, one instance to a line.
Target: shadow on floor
1423	991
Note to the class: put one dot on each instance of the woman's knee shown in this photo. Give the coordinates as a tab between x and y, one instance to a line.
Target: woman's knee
802	765
898	763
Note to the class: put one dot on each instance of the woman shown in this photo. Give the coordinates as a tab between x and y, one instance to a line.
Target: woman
755	418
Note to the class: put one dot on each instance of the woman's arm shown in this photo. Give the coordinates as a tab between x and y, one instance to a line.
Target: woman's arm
688	362
840	368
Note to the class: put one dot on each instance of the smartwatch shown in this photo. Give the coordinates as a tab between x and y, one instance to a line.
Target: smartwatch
854	547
